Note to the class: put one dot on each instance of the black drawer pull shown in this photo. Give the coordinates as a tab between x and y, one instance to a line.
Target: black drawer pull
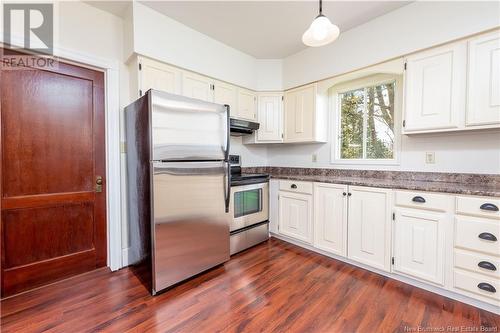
418	199
487	287
293	186
487	236
487	265
489	206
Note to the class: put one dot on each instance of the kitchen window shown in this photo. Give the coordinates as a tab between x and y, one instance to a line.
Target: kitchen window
367	130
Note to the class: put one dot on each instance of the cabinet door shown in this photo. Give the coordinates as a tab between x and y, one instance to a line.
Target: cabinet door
269	117
197	86
483	103
369	231
246	105
435	89
225	93
299	114
295	215
419	244
156	75
330	218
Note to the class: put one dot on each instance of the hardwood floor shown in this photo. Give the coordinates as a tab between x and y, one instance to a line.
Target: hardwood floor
274	287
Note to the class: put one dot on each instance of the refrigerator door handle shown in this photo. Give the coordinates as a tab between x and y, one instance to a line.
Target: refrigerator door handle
227	187
228	138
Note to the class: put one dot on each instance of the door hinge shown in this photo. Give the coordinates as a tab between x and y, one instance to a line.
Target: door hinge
140	92
393	216
282	136
140	66
392	260
405	65
282	98
404	123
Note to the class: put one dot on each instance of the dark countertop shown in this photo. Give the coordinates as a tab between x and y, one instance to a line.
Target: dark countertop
455	183
417	185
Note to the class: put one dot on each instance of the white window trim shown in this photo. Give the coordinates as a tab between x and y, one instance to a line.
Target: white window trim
371	80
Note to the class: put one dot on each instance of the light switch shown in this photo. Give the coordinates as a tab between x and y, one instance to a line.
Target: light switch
430	158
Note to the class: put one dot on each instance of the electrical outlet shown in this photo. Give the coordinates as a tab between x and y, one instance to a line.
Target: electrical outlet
430	158
314	158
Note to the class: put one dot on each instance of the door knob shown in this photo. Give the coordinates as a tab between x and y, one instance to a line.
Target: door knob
98	184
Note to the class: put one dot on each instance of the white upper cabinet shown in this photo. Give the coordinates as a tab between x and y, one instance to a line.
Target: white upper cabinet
483	95
419	244
157	75
225	93
269	115
330	218
300	109
246	105
369	233
435	83
197	86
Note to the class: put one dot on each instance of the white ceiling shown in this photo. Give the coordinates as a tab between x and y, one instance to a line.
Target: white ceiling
263	29
268	29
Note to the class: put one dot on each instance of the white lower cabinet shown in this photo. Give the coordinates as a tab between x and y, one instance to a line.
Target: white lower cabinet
295	215
330	218
369	231
419	244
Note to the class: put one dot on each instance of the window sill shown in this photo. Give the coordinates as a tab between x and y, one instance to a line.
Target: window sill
366	162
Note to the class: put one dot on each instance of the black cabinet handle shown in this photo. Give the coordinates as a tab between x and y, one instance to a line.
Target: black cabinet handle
349	194
487	265
489	206
418	199
344	194
487	287
293	186
487	236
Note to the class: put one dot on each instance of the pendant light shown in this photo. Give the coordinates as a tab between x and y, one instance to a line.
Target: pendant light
321	31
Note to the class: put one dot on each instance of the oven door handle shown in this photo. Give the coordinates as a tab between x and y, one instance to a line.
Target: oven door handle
227	187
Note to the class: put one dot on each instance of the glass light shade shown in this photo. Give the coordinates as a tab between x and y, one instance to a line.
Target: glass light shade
321	32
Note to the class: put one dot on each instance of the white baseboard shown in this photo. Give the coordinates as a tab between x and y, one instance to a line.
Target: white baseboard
441	291
125	256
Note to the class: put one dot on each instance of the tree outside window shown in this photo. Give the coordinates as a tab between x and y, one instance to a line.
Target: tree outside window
367	122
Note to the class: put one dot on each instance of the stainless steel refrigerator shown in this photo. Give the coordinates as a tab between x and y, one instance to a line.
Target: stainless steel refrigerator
178	178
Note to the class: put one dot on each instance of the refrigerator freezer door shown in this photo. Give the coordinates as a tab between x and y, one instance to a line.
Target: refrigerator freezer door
188	129
191	227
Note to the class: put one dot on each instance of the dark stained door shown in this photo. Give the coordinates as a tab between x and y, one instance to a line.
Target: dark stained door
53	222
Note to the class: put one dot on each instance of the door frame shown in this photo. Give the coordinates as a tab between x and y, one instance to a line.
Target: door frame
112	109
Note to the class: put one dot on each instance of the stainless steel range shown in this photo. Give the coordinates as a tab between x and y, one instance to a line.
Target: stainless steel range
249	207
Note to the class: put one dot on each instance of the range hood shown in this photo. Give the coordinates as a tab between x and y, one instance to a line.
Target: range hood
242	127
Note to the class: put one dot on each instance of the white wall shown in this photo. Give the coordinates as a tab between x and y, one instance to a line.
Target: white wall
269	74
251	155
162	38
410	28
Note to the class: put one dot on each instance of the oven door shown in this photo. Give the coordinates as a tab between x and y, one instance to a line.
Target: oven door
249	205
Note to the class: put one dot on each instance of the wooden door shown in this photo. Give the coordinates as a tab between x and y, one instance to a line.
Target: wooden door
299	114
246	105
295	215
483	103
369	234
330	218
53	223
197	86
435	88
156	75
419	244
270	118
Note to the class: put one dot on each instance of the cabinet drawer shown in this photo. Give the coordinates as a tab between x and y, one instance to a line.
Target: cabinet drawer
424	200
477	284
482	235
478	263
296	186
479	206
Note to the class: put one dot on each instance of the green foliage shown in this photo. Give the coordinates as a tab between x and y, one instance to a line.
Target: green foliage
379	131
